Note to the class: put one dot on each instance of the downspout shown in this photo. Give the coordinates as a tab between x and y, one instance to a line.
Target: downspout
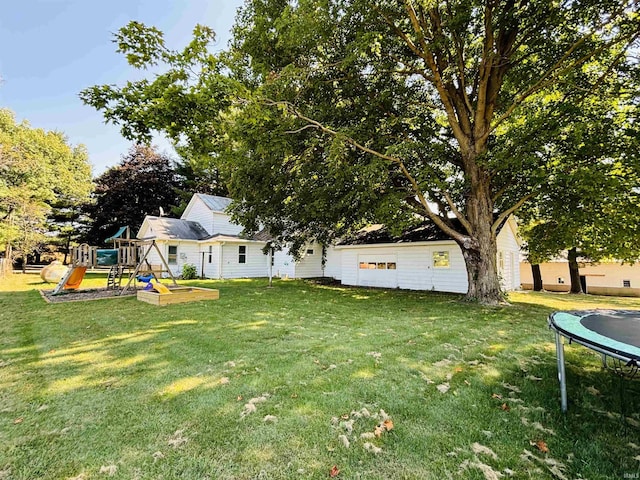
220	261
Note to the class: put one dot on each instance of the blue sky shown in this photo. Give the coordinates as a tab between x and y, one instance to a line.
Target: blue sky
52	49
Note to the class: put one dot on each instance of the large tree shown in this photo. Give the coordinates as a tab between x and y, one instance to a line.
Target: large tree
335	113
143	182
37	169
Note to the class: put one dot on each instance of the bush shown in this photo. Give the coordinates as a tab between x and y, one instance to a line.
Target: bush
189	271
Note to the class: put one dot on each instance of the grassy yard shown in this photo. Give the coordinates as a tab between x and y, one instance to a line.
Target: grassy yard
291	381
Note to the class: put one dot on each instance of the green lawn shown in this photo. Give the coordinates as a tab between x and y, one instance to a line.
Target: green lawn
270	383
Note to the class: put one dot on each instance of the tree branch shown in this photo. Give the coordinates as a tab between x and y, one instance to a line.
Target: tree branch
504	215
414	184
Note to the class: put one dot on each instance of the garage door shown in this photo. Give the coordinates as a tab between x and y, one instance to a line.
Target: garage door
377	271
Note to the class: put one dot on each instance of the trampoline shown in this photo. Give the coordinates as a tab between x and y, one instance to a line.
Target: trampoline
615	334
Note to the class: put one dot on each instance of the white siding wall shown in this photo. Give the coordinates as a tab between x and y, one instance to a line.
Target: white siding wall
414	268
256	262
188	252
200	213
283	264
222	224
310	265
508	259
333	265
211	269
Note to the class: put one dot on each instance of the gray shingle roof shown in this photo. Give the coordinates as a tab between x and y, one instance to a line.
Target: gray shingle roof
164	228
215	203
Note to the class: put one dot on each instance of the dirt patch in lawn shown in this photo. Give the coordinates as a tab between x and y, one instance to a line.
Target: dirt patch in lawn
84	295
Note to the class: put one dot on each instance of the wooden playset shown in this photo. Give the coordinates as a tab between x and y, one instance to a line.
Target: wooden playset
127	257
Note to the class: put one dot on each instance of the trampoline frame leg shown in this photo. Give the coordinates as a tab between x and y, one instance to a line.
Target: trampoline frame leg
562	376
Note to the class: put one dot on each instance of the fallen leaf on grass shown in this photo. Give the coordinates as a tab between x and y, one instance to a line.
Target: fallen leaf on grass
488	472
18	420
540	445
388	424
270	419
344	440
177	439
593	391
370	447
42	408
479	448
505	407
157	456
378	431
633	445
249	408
496	395
334	472
443	387
109	470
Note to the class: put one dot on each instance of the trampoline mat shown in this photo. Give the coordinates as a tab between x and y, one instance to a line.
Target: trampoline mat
615	331
622	327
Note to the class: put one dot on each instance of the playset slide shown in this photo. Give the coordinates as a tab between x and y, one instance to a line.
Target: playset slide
160	288
75	279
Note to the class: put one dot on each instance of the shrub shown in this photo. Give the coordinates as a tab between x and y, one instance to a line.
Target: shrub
189	271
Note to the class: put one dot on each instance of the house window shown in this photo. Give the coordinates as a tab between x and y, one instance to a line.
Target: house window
173	254
626	283
309	251
242	254
210	253
501	261
391	265
382	266
441	259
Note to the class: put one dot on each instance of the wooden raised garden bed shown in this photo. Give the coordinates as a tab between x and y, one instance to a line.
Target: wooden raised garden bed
178	295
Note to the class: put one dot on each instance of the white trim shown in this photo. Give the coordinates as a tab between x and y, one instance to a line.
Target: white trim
427	243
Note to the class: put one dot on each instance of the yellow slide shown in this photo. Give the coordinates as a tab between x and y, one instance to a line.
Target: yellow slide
160	288
75	279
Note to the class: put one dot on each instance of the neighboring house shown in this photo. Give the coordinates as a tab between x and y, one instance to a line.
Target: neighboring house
421	259
605	278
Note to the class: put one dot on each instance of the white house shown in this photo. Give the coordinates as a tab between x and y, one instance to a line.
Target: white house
421	259
206	237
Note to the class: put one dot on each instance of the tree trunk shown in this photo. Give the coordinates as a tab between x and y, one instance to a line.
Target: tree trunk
537	277
480	248
574	271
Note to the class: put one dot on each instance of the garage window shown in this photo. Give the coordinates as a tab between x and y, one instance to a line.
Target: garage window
626	283
441	259
377	265
242	254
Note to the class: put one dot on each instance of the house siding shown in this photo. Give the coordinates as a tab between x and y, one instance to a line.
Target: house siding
188	252
602	279
310	266
333	264
222	224
199	212
509	248
256	262
283	264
